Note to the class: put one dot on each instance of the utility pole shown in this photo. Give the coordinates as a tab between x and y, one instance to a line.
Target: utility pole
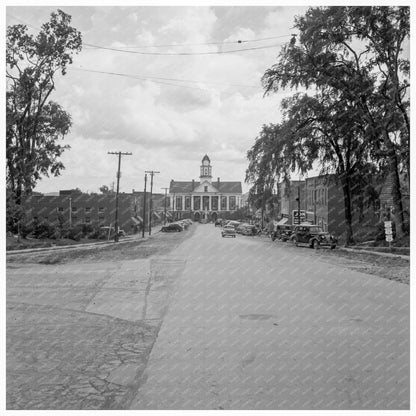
118	187
166	190
144	204
152	172
70	212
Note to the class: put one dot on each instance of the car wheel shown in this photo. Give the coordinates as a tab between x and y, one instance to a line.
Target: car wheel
332	247
315	244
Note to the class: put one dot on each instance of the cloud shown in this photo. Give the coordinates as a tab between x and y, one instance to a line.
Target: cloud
167	124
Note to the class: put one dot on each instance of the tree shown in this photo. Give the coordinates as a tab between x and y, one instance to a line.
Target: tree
76	191
361	64
35	125
106	190
14	213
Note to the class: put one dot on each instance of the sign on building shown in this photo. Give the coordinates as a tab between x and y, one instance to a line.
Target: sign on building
388	230
295	216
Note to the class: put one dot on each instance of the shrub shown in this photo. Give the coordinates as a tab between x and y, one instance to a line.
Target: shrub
43	230
74	233
86	229
94	234
25	230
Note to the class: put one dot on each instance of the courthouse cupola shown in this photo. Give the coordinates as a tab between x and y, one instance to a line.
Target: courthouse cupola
206	174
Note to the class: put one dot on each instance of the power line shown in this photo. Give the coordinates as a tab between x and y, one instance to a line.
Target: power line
147	77
119	49
199	44
184	53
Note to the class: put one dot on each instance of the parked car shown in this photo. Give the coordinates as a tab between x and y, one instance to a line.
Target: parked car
313	236
282	232
109	231
183	223
228	231
234	224
240	228
172	227
249	229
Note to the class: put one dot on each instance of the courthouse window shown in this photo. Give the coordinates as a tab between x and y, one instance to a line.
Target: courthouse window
197	203
214	202
205	202
179	203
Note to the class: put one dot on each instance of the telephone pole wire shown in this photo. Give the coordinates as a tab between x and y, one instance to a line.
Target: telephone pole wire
152	172
118	187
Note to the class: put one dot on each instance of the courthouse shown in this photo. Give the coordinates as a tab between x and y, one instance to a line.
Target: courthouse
204	200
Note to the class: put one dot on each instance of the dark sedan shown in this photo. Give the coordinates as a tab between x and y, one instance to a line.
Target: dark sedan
171	228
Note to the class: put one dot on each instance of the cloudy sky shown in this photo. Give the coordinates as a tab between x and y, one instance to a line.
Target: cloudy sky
169	94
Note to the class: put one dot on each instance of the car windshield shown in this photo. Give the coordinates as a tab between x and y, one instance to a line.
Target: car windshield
316	229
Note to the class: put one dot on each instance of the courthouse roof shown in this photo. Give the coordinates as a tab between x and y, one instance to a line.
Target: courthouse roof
177	187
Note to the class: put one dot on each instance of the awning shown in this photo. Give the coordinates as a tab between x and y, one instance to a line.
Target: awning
282	221
156	214
137	220
168	214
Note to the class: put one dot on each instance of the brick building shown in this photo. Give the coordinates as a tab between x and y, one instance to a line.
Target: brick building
326	207
288	194
322	203
70	209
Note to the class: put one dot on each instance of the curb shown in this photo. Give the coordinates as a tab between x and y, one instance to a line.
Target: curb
377	253
77	246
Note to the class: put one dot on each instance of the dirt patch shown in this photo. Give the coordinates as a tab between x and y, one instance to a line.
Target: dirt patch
392	268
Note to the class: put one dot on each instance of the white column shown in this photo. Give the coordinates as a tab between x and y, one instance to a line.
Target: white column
192	202
227	202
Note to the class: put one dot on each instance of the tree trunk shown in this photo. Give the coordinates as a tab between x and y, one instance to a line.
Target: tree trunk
398	217
346	188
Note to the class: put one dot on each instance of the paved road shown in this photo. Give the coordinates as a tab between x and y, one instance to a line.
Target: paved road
261	325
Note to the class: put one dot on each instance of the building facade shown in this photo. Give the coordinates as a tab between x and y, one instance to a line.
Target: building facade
325	204
204	200
70	209
289	206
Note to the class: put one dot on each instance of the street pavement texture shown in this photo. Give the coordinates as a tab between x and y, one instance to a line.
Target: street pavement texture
261	326
80	326
240	323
